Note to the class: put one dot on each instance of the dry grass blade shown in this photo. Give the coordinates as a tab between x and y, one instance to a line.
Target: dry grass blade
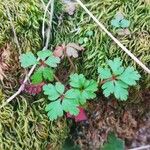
13	28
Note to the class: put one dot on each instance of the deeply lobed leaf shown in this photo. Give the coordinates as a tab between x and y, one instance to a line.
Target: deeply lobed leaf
77	81
104	73
116	66
51	91
44	54
117	79
27	60
52	61
64	101
54	110
129	76
84	88
41	74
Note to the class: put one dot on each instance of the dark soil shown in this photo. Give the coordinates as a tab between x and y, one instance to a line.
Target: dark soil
129	120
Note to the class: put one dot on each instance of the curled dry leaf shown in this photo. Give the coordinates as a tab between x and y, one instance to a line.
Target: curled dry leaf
59	50
71	49
123	32
70	7
75	46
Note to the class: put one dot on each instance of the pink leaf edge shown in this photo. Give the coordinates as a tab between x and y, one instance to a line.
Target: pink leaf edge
80	117
32	89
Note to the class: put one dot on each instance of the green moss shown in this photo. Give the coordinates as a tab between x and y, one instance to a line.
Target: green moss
26	16
100	47
25	125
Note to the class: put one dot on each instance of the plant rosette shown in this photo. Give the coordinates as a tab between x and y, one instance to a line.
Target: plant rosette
60	101
116	79
45	62
84	88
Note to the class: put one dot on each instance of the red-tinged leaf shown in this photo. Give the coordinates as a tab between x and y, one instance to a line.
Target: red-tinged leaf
80	117
58	52
68	115
70	7
71	50
33	89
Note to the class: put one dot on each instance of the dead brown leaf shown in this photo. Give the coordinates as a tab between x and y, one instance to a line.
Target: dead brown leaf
71	50
70	7
4	60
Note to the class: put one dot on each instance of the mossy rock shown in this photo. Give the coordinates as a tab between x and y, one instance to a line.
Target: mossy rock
24	125
100	47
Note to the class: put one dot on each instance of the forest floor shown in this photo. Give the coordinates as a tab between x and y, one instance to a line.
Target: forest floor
130	121
23	122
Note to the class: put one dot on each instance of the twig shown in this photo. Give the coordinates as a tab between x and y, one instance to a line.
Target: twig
27	76
50	23
44	7
13	28
141	148
43	24
70	61
113	38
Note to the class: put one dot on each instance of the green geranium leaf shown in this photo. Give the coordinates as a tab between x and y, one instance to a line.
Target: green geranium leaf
115	65
85	95
124	23
51	91
120	90
115	23
120	22
72	94
129	76
67	102
54	110
117	79
108	88
41	74
92	86
59	88
52	61
70	106
48	74
76	80
37	77
113	143
104	73
44	54
27	60
84	88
